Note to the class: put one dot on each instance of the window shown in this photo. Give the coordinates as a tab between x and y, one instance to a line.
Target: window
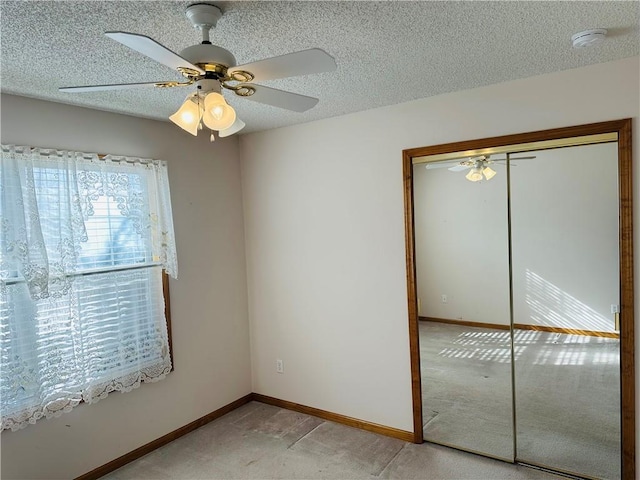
83	243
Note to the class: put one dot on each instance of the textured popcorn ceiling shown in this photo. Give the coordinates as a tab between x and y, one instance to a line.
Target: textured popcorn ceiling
387	52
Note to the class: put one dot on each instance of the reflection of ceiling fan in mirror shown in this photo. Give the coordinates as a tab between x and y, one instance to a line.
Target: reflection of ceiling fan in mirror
478	166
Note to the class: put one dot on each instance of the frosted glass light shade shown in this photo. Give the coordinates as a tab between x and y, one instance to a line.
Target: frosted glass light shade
188	116
218	114
489	173
474	175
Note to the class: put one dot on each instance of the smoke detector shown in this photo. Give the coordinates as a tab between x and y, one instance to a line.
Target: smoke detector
588	38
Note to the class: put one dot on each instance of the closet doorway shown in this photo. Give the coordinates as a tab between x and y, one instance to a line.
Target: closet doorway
520	285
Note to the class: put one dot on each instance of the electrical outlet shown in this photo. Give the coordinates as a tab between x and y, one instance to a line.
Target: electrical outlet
279	366
444	298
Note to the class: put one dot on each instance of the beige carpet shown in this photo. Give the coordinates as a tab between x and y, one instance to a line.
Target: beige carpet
260	441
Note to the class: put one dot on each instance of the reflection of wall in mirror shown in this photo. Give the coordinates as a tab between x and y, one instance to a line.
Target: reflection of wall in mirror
461	243
564	232
565	238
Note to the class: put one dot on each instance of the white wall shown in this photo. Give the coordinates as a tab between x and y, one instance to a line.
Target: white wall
208	300
564	231
324	231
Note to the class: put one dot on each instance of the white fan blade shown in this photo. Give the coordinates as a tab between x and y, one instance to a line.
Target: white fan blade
280	98
458	168
116	86
511	158
152	49
234	128
432	165
304	62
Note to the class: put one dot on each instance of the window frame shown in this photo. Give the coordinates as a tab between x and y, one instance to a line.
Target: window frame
167	315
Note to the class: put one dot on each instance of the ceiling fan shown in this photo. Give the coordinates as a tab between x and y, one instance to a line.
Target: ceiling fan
478	166
212	68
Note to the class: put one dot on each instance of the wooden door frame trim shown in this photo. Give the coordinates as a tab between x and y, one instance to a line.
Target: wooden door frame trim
627	342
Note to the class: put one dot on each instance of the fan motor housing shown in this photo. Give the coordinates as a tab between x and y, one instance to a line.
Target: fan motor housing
207	53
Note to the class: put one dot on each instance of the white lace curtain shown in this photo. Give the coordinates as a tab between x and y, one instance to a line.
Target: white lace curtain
73	181
83	241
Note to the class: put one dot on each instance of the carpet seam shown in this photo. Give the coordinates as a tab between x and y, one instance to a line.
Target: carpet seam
306	434
392	459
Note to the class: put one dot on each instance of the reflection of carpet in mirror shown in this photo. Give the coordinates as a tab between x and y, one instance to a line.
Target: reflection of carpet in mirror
567	395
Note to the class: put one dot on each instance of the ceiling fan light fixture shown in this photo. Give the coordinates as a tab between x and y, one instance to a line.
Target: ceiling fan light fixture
489	173
212	67
187	116
218	114
474	175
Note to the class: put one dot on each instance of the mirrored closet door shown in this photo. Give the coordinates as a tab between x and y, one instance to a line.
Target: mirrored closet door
521	298
465	344
565	264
